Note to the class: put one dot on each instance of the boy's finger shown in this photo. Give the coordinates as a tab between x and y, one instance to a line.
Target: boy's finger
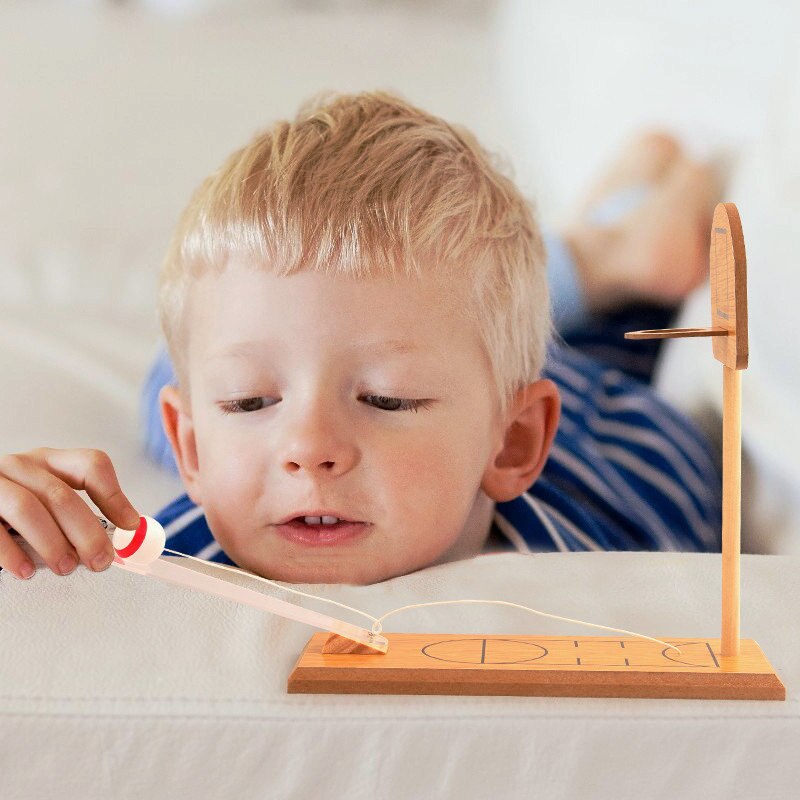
12	556
92	471
23	511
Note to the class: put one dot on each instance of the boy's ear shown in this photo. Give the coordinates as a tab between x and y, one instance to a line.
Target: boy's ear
528	434
179	428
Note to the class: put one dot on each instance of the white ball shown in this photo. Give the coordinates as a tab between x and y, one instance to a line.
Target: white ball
142	546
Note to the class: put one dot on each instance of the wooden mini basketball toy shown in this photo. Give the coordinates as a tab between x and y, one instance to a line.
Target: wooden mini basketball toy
589	665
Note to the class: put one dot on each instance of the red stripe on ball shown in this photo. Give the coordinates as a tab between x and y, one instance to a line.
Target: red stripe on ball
136	542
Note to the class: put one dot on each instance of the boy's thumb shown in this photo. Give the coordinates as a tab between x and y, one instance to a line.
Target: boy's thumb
129	516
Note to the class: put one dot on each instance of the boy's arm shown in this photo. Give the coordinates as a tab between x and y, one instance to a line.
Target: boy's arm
156	445
567	297
626	471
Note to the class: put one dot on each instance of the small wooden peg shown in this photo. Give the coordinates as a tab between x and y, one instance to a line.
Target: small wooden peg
676	333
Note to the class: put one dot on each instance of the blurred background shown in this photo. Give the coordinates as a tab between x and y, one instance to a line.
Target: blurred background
112	112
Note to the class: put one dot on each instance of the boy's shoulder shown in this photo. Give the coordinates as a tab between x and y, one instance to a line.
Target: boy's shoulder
187	531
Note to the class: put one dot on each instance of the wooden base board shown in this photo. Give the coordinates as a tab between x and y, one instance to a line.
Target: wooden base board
551	666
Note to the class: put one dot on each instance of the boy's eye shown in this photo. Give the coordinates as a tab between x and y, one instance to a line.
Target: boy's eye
397	403
244	405
382	402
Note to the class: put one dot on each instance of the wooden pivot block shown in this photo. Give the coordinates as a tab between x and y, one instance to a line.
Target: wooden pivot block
341	644
553	666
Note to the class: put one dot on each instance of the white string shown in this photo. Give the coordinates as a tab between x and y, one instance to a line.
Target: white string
517	605
377	627
272	583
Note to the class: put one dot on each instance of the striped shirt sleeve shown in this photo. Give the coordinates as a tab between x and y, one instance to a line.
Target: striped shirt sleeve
188	533
626	471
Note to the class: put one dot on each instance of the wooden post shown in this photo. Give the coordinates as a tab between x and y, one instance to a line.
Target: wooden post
731	507
728	281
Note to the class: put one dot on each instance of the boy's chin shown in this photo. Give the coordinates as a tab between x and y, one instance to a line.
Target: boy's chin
343	573
316	574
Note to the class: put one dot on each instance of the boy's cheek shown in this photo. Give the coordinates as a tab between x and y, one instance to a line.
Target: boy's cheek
224	463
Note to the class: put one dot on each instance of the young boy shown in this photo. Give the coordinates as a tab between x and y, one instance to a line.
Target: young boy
356	307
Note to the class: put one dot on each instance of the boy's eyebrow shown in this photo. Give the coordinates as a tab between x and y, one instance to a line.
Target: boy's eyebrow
396	346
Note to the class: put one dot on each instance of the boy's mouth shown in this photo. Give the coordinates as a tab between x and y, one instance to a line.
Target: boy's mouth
318	534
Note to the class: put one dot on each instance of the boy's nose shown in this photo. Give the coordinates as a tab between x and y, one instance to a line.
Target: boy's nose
317	440
316	452
325	466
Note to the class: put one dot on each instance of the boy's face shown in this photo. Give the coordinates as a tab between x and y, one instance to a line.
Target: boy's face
318	423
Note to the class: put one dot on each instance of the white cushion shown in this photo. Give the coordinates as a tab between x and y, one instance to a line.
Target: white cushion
112	115
72	378
118	685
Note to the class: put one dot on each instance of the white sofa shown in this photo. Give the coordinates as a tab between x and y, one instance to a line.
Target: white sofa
117	685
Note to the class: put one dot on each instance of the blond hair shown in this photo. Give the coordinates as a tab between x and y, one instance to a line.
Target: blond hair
360	185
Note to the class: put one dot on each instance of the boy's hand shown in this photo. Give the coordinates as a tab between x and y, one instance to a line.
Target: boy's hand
37	501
